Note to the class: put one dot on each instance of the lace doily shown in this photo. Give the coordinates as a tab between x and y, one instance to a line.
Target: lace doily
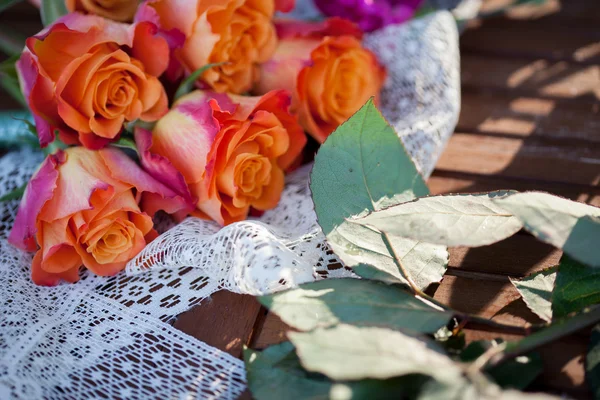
111	338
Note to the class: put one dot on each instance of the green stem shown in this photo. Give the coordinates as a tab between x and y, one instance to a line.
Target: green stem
53	147
11	43
7	4
557	330
466	318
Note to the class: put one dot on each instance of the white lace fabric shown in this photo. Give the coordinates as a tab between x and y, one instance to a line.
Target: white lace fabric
111	338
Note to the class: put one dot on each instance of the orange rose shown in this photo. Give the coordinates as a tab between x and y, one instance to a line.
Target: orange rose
327	69
85	76
239	33
231	150
82	208
118	10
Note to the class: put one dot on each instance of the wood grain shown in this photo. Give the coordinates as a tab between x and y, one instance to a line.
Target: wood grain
506	114
531	158
225	321
527	77
540	38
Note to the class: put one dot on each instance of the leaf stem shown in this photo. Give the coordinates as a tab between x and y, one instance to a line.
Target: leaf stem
463	317
588	317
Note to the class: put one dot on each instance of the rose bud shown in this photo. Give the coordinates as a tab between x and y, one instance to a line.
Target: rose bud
238	33
84	76
117	10
326	68
231	150
82	207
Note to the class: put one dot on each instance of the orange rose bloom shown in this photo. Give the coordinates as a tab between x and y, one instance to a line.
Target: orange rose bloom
118	10
231	150
82	208
239	33
327	69
85	76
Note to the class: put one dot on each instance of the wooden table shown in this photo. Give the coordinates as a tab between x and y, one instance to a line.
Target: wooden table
530	120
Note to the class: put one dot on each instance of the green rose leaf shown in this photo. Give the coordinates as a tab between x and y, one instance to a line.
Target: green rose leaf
352	353
568	225
4	4
577	286
357	302
9	80
276	373
51	10
518	373
363	167
592	363
16	194
346	352
536	290
17	129
451	220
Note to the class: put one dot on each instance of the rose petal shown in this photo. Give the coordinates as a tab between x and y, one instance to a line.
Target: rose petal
126	170
284	5
185	134
160	167
271	192
150	48
43	278
42	100
334	26
79	177
38	192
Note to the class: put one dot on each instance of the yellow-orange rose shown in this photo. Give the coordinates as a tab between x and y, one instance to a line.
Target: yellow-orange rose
231	150
239	33
85	76
82	208
326	67
118	10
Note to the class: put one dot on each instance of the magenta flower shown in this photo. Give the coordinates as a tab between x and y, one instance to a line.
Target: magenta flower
370	14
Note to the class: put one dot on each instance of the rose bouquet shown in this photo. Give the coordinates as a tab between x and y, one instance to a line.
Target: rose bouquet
184	107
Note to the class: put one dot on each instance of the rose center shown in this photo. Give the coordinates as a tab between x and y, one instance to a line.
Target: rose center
115	94
251	173
108	243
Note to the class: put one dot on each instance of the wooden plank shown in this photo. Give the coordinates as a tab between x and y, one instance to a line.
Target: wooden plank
533	158
271	331
225	321
524	116
542	38
517	256
491	299
573	10
535	78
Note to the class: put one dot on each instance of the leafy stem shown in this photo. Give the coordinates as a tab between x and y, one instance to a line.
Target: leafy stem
464	318
566	326
188	83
